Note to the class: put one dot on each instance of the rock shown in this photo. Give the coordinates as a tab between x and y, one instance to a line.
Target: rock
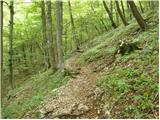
106	111
83	108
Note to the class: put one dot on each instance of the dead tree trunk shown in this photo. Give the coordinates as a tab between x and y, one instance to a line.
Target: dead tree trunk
120	14
43	17
51	44
74	38
109	14
11	49
137	15
59	23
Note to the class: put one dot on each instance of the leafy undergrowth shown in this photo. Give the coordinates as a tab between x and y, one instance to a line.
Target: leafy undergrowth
29	95
131	83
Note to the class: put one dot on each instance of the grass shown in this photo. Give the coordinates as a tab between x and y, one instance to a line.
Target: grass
30	95
132	84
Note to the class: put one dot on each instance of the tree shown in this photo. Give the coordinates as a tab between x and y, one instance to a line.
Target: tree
11	8
72	26
151	4
59	26
141	6
51	45
109	14
137	15
1	45
123	8
43	17
120	14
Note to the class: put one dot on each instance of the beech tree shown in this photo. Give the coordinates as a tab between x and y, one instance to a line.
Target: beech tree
140	4
59	26
43	17
137	15
1	44
120	14
51	45
74	38
123	8
109	14
10	60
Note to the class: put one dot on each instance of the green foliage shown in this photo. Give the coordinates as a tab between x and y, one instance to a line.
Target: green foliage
132	84
34	92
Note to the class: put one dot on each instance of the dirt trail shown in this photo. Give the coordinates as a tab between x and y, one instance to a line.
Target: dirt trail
79	98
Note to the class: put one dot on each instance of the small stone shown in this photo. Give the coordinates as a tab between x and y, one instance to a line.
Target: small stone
83	108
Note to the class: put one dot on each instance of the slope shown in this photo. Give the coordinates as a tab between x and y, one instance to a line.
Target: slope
98	85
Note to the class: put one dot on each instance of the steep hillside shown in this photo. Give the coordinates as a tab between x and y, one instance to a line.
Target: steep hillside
98	83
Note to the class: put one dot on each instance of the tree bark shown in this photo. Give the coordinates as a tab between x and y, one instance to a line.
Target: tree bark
141	6
43	16
51	44
123	8
74	38
120	14
109	14
1	48
129	10
59	23
11	48
137	15
151	4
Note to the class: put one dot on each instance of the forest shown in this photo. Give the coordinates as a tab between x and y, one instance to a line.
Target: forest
79	59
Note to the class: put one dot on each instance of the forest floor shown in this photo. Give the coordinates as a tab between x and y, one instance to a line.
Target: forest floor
97	85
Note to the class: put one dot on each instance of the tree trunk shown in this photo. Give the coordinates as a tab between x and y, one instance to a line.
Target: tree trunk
137	15
151	4
141	6
51	44
1	48
59	23
123	8
109	14
74	38
10	48
120	14
99	19
129	10
24	56
111	7
43	16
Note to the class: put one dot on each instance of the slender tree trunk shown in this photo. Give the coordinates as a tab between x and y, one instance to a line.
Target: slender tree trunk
129	10
51	44
74	38
1	48
123	8
10	48
120	14
137	15
111	7
109	14
117	17
151	4
43	16
24	56
99	19
59	23
141	6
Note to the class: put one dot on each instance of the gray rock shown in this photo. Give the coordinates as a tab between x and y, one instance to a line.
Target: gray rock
83	108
